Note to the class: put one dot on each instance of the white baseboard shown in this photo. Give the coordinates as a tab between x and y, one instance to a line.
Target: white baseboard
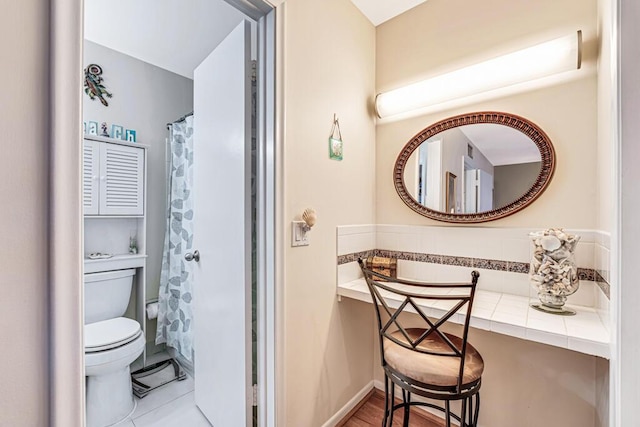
338	416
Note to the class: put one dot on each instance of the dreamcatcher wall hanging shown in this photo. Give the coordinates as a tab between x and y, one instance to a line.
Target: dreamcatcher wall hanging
93	84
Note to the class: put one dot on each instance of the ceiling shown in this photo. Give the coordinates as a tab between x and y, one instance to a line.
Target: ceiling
171	34
177	35
502	145
379	11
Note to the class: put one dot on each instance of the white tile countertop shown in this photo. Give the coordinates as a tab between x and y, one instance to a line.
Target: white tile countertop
511	315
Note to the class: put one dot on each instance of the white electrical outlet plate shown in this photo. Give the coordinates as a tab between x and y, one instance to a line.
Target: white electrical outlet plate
299	237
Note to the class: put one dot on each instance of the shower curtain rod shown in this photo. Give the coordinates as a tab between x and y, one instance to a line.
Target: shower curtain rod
181	118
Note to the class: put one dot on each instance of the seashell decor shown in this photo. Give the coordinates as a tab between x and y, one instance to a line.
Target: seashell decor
553	272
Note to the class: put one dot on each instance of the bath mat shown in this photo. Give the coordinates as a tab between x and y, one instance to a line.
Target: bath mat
150	378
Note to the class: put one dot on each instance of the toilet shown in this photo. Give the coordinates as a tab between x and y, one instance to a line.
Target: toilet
111	344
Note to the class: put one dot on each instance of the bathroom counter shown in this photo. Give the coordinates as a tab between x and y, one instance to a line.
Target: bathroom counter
511	315
116	262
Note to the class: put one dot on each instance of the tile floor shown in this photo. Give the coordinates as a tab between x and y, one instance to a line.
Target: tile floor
169	406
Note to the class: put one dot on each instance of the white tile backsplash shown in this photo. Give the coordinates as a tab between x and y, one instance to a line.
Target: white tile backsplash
506	244
356	229
410	242
602	261
584	254
585	295
452	273
516	283
490	280
516	249
407	269
348	272
430	241
359	242
389	241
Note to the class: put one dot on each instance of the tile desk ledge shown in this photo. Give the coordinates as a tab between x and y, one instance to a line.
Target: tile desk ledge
511	315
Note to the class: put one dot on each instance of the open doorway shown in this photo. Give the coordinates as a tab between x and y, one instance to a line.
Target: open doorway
150	126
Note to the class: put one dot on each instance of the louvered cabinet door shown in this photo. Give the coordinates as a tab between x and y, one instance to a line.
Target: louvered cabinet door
90	176
121	180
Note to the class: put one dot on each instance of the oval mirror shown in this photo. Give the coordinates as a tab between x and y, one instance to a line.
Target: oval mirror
474	167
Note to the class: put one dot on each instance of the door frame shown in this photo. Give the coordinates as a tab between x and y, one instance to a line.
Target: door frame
66	343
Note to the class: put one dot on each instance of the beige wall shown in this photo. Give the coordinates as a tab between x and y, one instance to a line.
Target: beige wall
606	193
24	80
329	67
566	113
420	43
524	383
442	35
606	105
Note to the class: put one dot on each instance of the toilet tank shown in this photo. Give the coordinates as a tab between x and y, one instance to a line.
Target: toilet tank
106	294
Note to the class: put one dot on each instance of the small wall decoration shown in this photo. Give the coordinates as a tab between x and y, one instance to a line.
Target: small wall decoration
93	84
93	128
117	132
103	128
335	140
131	135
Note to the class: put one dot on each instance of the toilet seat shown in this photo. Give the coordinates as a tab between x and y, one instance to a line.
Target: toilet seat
110	334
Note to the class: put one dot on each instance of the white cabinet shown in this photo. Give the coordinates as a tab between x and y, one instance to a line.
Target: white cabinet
90	177
113	179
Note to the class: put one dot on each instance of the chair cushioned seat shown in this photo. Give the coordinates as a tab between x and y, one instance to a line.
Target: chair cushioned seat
431	369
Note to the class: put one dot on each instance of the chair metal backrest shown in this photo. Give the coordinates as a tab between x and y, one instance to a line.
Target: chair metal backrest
409	293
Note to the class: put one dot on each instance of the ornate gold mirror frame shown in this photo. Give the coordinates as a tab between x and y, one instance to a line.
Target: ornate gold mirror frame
537	135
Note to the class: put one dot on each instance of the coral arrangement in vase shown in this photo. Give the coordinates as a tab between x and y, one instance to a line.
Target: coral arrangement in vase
553	271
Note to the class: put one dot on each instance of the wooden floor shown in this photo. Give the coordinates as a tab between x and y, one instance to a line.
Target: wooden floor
371	412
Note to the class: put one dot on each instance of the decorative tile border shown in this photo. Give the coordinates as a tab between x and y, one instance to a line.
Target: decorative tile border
518	267
603	284
587	274
344	259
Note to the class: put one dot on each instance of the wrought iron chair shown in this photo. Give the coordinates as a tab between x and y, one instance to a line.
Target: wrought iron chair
426	361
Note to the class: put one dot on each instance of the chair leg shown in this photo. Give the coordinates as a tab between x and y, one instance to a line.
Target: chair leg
386	401
477	412
406	398
392	403
447	413
463	414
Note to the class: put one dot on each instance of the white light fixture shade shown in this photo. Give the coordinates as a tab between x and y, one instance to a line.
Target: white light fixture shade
542	60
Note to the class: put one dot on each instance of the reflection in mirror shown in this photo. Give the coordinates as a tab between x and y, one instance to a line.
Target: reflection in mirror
472	168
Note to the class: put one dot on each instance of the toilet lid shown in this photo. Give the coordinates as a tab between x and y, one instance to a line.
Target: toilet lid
110	333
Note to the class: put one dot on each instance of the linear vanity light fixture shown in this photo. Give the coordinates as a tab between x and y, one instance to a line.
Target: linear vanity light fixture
542	60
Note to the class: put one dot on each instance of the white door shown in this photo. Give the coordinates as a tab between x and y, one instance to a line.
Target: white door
485	191
470	191
222	231
433	188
